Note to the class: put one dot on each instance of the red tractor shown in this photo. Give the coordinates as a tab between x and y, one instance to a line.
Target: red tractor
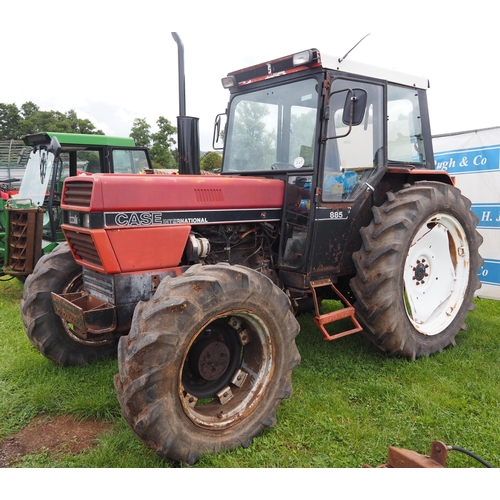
327	192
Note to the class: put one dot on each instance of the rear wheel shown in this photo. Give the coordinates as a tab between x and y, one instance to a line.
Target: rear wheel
52	336
207	361
417	270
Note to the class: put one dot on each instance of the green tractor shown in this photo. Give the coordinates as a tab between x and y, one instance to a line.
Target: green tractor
30	217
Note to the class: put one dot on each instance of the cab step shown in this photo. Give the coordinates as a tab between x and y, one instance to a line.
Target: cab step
325	319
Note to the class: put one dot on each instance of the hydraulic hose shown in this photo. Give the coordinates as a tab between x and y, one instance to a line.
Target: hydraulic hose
473	455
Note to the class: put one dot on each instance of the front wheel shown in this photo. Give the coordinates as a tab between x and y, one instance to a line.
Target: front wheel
417	269
54	337
207	361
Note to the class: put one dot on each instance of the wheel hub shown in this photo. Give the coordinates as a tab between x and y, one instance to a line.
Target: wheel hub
420	271
223	377
213	360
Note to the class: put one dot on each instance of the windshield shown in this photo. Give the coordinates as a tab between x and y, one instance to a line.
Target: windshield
273	128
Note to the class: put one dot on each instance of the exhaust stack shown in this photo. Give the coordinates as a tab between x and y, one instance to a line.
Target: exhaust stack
188	142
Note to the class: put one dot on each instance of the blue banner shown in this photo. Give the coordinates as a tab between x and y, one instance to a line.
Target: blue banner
489	215
489	273
466	161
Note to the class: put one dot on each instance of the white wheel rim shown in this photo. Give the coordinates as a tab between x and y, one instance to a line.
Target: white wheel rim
436	274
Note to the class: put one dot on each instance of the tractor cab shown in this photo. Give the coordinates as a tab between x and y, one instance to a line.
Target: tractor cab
331	129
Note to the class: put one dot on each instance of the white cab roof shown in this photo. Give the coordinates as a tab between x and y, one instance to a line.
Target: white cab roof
357	68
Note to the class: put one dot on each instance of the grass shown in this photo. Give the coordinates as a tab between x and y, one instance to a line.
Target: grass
350	401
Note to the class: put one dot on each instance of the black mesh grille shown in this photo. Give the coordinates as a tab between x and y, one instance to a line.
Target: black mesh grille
251	74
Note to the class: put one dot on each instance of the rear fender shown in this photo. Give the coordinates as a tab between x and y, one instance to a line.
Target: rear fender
415	175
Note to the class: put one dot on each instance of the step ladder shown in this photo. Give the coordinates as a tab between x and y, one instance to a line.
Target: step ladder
324	319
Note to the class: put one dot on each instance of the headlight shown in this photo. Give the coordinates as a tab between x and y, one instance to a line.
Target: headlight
229	82
303	58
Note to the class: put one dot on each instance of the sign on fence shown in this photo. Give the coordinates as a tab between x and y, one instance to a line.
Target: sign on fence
473	158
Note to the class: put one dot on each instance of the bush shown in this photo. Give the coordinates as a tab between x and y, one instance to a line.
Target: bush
211	162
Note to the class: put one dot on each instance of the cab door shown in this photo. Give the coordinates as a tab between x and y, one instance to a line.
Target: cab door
353	159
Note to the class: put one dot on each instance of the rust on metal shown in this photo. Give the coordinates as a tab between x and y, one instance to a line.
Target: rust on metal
399	458
225	395
323	319
85	312
155	282
239	378
24	239
213	360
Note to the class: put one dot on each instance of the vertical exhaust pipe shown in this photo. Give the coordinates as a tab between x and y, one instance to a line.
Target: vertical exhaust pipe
188	142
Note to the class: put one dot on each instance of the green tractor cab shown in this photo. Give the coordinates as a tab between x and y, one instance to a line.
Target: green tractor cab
30	219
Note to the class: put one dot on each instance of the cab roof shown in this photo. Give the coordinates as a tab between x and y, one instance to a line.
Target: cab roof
312	58
66	139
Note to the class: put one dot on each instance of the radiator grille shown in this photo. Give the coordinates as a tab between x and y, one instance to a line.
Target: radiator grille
78	193
84	248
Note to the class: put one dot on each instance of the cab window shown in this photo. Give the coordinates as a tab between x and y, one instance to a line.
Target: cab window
404	129
126	161
352	153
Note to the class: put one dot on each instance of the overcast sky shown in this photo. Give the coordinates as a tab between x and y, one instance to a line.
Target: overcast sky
115	61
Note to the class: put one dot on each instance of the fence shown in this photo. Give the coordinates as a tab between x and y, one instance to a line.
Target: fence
12	152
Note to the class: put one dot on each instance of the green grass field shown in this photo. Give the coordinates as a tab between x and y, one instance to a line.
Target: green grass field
350	401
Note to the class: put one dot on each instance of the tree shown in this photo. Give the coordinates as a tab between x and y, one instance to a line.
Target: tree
80	125
211	162
163	143
55	121
29	109
9	121
141	133
16	123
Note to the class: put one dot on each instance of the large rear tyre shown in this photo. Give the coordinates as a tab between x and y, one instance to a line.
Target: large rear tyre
207	361
417	270
52	336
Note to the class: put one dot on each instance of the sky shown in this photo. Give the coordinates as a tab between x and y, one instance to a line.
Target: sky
115	61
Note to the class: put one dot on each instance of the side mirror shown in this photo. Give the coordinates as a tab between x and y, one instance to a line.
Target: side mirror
219	131
353	111
354	107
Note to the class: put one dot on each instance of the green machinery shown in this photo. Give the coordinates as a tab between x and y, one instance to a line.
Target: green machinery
30	216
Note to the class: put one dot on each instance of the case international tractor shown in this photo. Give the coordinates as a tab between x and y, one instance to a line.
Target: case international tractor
327	191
